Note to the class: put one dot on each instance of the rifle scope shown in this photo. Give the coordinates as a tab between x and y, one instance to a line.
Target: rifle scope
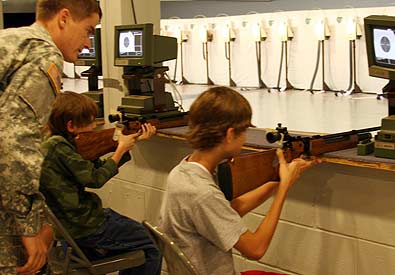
281	133
117	117
113	117
273	137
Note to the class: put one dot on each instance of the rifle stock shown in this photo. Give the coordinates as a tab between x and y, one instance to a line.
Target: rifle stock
248	171
94	144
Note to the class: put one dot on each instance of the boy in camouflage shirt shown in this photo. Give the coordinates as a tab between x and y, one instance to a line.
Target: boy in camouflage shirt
65	175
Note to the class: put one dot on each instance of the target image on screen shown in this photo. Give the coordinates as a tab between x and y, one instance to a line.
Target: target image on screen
130	43
89	53
384	46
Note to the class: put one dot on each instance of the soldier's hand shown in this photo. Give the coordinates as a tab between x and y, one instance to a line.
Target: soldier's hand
36	250
47	234
147	131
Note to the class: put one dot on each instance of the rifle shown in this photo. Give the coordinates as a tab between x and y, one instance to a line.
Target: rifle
94	144
248	171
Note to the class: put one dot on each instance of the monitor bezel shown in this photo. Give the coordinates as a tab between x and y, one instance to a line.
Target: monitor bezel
147	42
96	60
381	22
85	60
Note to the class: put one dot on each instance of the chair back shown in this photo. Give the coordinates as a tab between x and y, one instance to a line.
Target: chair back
70	260
177	262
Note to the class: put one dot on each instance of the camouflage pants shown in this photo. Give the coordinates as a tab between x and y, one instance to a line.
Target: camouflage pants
11	254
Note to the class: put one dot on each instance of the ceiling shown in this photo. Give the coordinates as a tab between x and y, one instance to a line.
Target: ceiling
22	6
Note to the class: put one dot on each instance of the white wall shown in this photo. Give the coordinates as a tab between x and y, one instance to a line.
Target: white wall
337	219
189	9
302	49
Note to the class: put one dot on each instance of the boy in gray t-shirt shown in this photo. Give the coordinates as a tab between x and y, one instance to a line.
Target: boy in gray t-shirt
195	213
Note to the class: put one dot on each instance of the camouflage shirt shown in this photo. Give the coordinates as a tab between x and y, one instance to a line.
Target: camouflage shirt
65	174
29	79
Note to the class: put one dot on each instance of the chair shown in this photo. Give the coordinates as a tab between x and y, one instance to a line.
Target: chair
70	260
177	262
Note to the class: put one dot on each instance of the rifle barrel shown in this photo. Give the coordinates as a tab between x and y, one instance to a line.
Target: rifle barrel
349	133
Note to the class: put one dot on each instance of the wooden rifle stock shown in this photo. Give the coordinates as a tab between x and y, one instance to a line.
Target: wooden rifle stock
248	171
94	144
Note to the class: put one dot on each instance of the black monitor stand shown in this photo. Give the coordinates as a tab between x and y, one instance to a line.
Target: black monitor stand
147	97
389	92
93	78
93	88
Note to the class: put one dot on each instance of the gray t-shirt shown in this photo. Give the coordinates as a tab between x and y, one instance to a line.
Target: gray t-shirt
198	218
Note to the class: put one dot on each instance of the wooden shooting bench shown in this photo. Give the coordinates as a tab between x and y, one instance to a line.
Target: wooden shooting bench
256	141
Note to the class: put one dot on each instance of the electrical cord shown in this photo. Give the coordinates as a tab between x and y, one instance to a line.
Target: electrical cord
281	65
177	95
134	11
175	69
316	67
351	68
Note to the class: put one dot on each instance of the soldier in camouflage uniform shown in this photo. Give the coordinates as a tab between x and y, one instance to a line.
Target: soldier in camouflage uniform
30	70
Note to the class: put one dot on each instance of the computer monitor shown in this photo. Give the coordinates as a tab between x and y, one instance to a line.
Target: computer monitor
380	45
91	56
136	45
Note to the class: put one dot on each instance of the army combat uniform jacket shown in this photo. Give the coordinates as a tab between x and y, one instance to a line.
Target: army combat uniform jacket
30	71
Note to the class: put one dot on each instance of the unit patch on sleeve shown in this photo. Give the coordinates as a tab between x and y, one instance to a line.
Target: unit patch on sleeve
55	77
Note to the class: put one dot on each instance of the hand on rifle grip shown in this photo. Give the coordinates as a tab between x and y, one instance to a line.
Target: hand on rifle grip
290	172
147	131
126	142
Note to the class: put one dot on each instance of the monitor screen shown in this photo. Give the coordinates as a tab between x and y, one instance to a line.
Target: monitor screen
384	46
380	45
130	43
91	56
138	46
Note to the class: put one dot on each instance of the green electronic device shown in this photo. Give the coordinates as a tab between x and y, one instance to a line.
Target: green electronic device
136	45
380	45
365	147
384	146
140	52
